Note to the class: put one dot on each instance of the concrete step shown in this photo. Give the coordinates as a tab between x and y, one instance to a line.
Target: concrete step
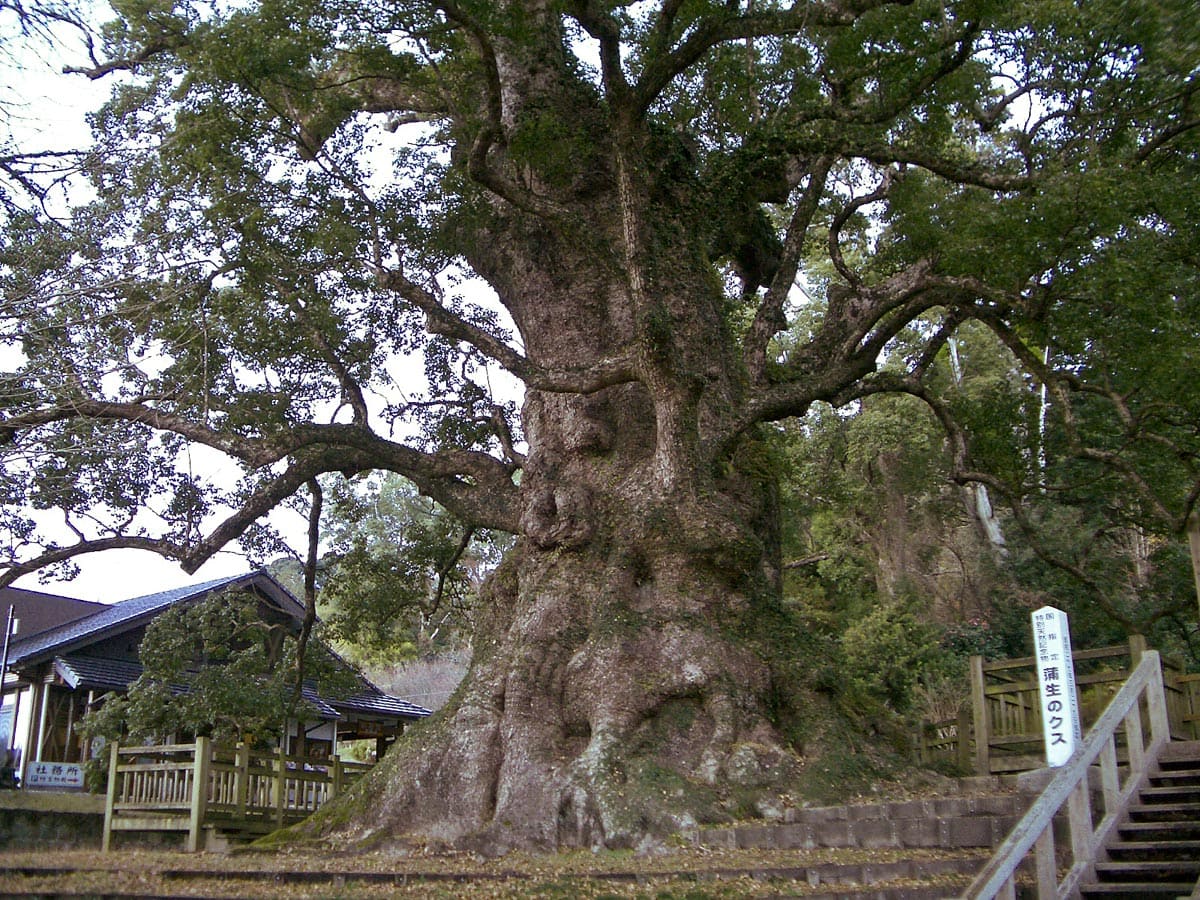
949	822
1166	831
1164	812
1173	870
1131	851
1180	778
1171	793
925	879
885	892
1181	753
1134	890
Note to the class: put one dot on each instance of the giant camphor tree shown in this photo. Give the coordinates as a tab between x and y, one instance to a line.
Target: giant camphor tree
289	196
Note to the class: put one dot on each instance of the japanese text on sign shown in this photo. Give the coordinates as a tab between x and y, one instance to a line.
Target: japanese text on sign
1056	685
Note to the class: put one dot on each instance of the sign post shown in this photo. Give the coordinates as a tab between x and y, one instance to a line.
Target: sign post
1056	685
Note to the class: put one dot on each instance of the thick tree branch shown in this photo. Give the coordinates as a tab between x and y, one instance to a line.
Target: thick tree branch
442	321
250	451
161	546
769	319
662	69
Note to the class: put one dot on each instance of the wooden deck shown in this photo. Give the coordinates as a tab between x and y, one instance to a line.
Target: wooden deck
193	787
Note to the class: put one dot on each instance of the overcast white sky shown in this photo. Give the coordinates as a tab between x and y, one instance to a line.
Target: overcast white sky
45	110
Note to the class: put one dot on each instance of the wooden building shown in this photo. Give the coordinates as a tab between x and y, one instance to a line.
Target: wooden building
56	674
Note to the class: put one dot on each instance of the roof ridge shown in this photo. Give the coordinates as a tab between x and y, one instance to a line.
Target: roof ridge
113	615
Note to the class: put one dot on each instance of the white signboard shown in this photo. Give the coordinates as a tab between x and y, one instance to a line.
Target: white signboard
1056	684
67	776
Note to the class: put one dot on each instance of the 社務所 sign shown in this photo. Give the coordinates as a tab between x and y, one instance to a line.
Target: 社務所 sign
1056	684
64	776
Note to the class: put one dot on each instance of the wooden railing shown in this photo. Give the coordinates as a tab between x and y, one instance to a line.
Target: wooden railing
1142	696
188	787
999	730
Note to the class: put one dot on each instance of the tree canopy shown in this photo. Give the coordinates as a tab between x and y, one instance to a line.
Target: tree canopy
674	226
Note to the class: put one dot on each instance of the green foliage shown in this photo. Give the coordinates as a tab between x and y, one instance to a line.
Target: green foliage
401	574
218	668
885	656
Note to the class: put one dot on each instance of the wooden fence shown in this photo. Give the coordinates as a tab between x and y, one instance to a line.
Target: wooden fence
1000	729
191	787
1057	875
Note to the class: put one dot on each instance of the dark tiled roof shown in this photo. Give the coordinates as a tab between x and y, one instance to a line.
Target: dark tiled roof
120	617
94	673
375	702
67	646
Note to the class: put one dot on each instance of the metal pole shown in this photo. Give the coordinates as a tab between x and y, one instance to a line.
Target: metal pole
10	628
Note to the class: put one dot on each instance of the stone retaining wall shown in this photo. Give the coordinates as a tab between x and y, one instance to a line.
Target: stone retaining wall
35	820
948	822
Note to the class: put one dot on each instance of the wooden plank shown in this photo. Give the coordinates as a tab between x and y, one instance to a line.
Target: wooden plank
1029	686
1003	665
1046	866
1079	815
110	799
151	823
125	807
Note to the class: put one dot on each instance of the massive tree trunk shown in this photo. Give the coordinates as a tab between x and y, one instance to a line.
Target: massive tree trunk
622	683
614	694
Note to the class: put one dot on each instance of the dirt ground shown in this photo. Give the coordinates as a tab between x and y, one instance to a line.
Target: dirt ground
690	873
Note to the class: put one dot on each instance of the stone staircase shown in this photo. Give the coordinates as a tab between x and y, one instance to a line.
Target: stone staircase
929	848
1156	851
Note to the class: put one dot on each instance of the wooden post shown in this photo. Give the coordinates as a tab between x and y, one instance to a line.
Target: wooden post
42	714
280	785
980	717
335	787
1110	779
241	778
964	737
1135	742
1079	813
1193	530
1046	864
1137	646
1156	700
199	793
110	800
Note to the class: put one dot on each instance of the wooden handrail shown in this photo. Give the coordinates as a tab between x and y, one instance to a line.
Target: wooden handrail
186	786
1070	785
